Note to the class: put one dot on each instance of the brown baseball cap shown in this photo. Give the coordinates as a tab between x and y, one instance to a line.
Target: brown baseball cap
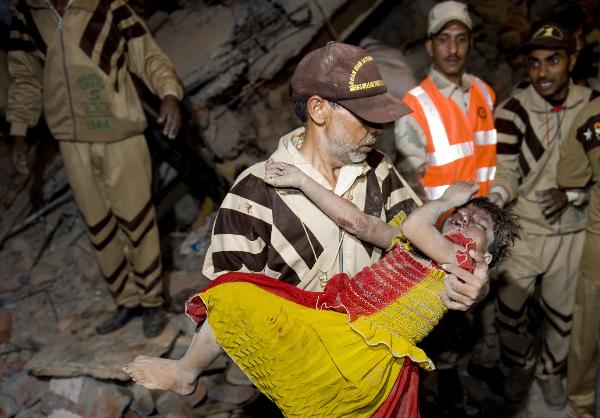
549	36
347	74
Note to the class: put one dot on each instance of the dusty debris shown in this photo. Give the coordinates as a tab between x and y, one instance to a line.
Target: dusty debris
235	376
197	396
171	403
85	397
26	390
5	325
143	403
65	196
100	356
8	406
220	390
29	413
63	413
235	59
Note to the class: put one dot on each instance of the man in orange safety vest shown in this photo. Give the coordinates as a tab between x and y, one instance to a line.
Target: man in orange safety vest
450	136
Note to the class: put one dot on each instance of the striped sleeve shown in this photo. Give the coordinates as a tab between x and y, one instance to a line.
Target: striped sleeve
26	51
574	169
396	193
282	234
144	56
257	231
511	123
242	230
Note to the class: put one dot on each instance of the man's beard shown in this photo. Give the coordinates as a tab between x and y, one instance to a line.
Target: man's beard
349	154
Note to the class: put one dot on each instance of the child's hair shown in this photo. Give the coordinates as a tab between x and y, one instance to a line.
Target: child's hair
506	228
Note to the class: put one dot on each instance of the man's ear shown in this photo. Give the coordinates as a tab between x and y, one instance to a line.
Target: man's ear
487	257
429	47
318	109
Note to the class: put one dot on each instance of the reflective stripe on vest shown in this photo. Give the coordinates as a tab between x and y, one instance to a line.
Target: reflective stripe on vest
444	152
433	193
486	137
467	151
486	174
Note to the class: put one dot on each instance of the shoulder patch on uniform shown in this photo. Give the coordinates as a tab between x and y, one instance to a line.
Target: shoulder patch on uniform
589	133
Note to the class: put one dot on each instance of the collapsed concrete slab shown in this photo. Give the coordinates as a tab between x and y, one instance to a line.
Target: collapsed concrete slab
100	356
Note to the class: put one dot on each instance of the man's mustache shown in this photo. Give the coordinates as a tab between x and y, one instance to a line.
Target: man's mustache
368	141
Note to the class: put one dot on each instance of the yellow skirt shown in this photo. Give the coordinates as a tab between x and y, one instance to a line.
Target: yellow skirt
310	362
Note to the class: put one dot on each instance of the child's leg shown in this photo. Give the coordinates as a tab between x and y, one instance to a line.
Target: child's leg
179	376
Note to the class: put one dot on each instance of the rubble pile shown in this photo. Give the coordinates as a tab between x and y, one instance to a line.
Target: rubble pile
51	298
234	59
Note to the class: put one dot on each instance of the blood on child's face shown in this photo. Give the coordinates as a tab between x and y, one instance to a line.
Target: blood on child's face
475	223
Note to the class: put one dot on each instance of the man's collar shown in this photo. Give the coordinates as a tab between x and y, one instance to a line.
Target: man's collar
288	151
541	105
442	82
89	5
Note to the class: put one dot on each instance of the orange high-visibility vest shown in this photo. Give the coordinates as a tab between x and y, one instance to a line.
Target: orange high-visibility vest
459	146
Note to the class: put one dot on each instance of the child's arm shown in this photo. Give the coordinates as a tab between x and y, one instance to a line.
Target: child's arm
419	227
343	212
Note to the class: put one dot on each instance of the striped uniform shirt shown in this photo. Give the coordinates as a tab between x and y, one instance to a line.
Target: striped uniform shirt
282	234
530	132
579	162
75	68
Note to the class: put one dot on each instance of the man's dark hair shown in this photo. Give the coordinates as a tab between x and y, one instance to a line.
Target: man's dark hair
301	109
506	228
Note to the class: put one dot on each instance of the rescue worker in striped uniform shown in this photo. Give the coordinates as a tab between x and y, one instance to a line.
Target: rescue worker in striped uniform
450	136
532	124
72	62
342	101
578	164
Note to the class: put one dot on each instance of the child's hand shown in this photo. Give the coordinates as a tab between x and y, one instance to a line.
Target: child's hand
459	193
283	175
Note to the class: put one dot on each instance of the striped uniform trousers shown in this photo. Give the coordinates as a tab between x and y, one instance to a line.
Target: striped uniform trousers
556	260
527	145
111	183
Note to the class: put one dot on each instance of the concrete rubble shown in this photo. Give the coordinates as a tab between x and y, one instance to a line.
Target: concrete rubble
51	293
234	59
98	355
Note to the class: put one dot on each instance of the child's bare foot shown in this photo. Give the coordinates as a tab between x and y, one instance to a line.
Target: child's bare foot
160	373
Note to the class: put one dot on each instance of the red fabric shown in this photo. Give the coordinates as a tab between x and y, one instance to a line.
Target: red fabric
366	293
463	259
377	286
403	400
195	309
342	294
